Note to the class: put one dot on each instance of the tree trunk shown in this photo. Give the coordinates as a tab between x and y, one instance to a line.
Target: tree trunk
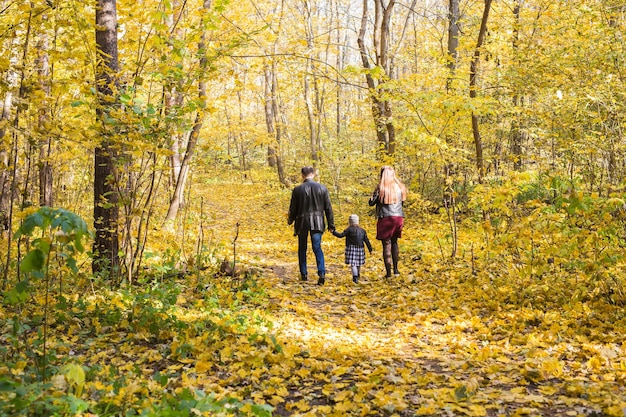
453	40
177	200
473	74
12	82
45	144
516	131
313	97
381	109
172	96
243	147
272	116
106	212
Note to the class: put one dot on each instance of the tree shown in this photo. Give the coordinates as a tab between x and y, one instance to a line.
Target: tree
381	105
105	211
517	135
178	197
46	196
473	87
273	121
453	39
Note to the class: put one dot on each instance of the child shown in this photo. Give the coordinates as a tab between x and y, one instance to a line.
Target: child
355	252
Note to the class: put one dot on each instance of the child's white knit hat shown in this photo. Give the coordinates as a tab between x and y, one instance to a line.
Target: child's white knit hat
353	219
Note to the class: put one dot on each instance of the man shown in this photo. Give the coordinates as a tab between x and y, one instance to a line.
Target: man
309	203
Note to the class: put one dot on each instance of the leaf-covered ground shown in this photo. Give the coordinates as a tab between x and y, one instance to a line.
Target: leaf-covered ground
439	340
426	343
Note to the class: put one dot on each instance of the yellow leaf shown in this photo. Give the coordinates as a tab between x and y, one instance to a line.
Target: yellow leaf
615	410
548	390
302	405
595	363
426	410
342	395
344	406
276	399
202	366
75	376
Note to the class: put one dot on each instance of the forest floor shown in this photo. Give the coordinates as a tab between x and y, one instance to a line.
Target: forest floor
439	340
418	344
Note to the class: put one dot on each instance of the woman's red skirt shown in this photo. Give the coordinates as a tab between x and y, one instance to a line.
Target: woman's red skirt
389	227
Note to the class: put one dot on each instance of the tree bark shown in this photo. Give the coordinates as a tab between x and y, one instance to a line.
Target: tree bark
45	144
453	40
272	116
473	74
172	97
313	95
516	131
381	108
106	211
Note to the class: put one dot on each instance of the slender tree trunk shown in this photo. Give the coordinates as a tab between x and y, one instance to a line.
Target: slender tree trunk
45	144
516	131
178	198
106	211
6	190
172	97
272	118
313	132
339	61
312	102
12	82
243	148
12	179
453	40
473	81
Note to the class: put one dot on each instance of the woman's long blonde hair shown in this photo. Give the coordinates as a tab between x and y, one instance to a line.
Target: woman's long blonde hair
389	186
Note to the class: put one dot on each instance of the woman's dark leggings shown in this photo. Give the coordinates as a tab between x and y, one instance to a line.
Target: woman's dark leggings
391	253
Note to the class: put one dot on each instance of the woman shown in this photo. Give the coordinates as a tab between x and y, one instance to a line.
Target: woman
388	197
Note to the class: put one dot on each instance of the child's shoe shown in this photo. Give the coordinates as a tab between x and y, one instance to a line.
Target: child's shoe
355	279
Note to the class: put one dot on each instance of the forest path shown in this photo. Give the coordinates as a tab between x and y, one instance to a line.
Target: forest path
402	347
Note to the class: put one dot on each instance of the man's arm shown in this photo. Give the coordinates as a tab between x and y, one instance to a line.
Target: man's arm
293	208
328	209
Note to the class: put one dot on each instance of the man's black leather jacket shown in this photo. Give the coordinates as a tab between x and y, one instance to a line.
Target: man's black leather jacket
310	201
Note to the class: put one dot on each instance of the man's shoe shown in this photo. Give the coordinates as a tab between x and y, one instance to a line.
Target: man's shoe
303	277
321	280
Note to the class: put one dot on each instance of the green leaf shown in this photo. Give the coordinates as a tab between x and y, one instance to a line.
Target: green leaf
33	261
461	393
71	263
6	385
262	410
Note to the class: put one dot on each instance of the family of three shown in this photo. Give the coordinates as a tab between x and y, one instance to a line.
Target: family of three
310	207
